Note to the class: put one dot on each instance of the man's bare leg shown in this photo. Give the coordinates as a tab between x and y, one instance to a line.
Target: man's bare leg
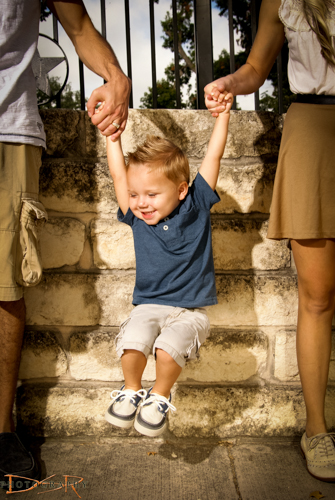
12	322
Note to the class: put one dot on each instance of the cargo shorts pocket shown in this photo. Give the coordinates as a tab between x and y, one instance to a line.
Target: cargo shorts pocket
29	264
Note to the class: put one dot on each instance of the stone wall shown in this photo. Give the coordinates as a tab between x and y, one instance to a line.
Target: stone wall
245	380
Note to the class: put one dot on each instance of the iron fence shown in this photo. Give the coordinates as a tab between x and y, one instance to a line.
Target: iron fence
203	41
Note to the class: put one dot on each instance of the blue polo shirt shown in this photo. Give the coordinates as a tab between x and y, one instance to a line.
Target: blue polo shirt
174	258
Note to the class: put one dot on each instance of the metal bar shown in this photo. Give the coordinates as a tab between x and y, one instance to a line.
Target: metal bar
126	8
231	42
254	23
203	47
82	85
280	84
176	52
153	54
56	38
103	18
55	27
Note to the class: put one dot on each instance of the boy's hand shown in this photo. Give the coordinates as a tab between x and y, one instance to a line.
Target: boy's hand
223	99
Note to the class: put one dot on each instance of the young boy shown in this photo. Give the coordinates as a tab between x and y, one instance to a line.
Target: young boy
174	268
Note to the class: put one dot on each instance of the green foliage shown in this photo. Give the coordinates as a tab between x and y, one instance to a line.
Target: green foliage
166	93
70	99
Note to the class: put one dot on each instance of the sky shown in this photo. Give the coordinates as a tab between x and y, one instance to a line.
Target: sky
140	45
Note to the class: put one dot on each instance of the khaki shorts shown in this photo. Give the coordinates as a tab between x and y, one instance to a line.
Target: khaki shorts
175	330
19	211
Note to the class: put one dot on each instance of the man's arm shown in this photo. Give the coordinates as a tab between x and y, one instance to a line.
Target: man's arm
268	43
117	168
99	57
211	164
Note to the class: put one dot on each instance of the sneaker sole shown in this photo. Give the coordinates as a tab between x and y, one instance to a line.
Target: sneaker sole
146	431
118	422
325	479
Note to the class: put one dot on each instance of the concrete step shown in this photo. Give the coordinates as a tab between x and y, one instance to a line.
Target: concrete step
142	469
78	409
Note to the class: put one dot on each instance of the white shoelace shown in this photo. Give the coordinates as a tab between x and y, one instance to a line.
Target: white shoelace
125	393
159	400
328	445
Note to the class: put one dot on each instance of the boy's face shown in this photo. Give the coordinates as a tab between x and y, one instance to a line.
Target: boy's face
152	196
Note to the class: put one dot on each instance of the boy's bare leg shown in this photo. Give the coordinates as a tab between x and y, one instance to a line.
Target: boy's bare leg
167	372
12	321
133	364
315	261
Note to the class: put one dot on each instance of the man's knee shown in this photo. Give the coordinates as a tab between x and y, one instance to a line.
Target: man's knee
15	308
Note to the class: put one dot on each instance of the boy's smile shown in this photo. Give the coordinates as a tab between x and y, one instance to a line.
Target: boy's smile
152	196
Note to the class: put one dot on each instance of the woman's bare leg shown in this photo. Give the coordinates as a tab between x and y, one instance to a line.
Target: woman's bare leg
315	261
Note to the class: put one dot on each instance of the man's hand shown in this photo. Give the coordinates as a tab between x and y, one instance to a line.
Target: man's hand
115	98
98	56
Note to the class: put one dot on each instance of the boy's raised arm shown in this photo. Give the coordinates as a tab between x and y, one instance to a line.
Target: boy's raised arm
117	168
211	164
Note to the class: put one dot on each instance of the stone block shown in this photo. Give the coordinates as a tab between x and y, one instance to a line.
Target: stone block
80	300
255	300
42	356
61	241
85	186
65	132
286	365
77	186
242	244
113	245
93	357
84	300
202	412
245	186
228	356
250	133
209	412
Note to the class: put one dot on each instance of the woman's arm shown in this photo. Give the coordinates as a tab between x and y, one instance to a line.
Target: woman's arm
268	43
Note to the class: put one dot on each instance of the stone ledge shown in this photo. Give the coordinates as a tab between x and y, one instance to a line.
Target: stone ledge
246	299
242	244
69	185
207	412
226	356
85	300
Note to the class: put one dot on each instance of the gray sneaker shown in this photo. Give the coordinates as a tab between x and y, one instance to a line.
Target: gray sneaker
123	409
151	419
319	452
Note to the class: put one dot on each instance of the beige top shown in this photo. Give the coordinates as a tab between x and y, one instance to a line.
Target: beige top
308	72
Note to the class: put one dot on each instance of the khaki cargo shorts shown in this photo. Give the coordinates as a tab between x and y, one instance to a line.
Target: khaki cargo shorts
175	330
20	212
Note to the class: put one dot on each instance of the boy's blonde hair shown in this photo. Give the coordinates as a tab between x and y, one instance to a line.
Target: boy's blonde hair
163	155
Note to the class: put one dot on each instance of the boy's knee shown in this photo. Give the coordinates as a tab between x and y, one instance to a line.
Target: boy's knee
162	355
